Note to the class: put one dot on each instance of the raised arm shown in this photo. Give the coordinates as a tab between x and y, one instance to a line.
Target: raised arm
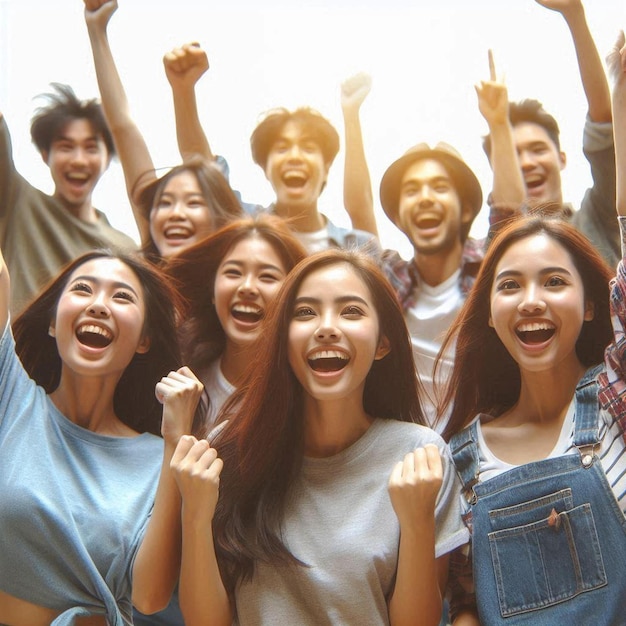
183	68
5	293
421	579
616	62
157	565
493	102
357	186
203	597
590	64
131	147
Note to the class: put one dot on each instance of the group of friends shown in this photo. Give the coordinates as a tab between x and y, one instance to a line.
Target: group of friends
256	416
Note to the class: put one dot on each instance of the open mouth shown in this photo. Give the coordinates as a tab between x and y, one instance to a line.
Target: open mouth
328	361
94	336
247	313
77	179
532	182
428	221
177	233
535	333
294	180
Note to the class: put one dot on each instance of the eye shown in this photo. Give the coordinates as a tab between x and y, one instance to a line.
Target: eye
409	192
442	188
555	281
231	272
163	203
127	296
507	285
197	203
303	313
352	311
270	278
81	287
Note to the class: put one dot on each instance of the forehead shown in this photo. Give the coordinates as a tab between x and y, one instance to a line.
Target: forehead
529	132
340	279
108	270
296	130
182	180
535	253
78	130
254	248
424	170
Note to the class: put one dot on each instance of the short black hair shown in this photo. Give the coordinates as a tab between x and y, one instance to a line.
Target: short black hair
63	107
529	110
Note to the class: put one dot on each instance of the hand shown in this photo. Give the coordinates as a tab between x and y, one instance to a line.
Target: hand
197	470
185	65
179	393
616	60
561	6
493	97
354	90
99	12
414	485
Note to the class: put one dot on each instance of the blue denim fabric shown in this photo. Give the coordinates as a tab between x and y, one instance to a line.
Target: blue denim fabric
549	539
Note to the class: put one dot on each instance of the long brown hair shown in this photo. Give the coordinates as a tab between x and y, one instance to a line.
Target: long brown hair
263	444
485	378
134	399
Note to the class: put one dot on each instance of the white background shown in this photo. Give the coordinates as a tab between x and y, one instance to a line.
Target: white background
424	59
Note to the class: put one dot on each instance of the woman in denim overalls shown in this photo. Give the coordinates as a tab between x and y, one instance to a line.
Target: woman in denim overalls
537	423
543	464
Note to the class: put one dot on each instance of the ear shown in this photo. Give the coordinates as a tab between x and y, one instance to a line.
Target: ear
467	215
44	156
590	311
491	321
383	348
144	345
563	159
52	331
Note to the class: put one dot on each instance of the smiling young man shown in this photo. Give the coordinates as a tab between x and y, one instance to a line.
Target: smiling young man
432	196
41	233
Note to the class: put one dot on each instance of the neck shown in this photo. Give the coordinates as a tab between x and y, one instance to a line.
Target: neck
88	402
83	211
545	396
333	426
434	269
301	218
235	360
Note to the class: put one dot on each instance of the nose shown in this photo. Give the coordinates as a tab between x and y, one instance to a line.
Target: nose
98	308
176	212
526	159
426	195
531	302
327	330
248	287
295	152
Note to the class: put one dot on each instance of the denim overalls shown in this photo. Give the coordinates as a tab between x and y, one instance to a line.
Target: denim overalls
549	539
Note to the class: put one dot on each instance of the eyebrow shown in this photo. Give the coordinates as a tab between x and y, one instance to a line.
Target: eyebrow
546	270
340	300
420	181
262	265
117	284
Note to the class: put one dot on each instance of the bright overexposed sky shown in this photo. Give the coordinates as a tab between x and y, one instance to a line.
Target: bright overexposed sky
424	59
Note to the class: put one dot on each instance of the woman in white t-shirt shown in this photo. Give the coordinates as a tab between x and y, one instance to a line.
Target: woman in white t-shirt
336	504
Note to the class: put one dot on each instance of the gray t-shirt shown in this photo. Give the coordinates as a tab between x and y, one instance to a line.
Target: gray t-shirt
340	522
73	504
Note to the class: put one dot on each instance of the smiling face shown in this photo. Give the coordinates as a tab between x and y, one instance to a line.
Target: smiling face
99	321
430	212
77	159
538	304
295	168
334	335
180	216
540	161
247	280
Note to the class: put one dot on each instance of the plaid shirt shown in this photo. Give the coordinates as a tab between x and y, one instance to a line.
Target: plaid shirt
404	276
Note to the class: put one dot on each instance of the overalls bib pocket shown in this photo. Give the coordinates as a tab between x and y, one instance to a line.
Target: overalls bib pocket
544	551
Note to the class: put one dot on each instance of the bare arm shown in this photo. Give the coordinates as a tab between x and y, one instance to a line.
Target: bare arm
5	293
493	103
157	565
616	62
183	67
203	597
590	64
129	142
417	597
357	186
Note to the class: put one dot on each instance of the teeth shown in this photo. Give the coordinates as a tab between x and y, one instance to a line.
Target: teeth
246	308
532	326
78	176
329	354
95	330
176	232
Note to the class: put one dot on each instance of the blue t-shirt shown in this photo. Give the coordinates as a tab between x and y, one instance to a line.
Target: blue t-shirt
73	504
